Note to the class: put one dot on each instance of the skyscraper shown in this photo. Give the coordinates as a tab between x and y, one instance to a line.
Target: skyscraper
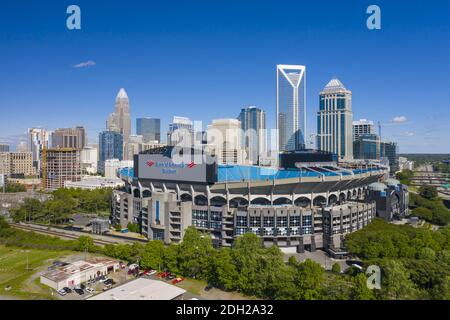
120	121
134	146
110	147
253	125
224	141
37	139
389	151
291	107
334	120
367	146
363	126
149	129
4	148
69	138
181	132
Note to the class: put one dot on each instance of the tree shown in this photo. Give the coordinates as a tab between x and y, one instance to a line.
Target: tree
336	268
246	249
223	273
85	243
270	266
359	290
15	187
395	281
171	257
426	253
3	223
194	253
422	212
153	255
405	176
133	227
428	192
308	279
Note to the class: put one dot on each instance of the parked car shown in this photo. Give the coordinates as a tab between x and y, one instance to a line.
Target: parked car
62	292
171	277
79	291
164	274
177	280
90	290
103	279
109	282
82	286
133	266
67	289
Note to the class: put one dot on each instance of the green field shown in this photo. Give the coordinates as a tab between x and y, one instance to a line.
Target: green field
25	282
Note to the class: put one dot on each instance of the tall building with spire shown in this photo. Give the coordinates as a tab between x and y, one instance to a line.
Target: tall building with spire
334	120
291	107
120	121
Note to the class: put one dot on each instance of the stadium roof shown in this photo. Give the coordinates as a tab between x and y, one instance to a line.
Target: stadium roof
227	173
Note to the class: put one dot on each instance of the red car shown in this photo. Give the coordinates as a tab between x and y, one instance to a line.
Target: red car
177	280
163	274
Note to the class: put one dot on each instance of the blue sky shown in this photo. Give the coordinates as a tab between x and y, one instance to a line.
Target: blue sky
208	59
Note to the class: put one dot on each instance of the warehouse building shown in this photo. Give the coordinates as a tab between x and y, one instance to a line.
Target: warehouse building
142	289
73	274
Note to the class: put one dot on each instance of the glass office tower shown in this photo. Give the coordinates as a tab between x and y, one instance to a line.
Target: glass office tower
291	107
149	129
110	145
253	125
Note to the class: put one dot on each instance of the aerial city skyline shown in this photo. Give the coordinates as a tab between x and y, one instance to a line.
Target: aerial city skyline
82	70
215	150
244	139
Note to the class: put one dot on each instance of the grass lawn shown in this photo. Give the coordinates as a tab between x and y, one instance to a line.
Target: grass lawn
14	273
193	286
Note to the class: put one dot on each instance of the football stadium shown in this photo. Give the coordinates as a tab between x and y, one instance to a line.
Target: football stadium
308	202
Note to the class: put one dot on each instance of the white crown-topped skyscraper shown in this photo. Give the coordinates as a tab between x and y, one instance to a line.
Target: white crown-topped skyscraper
334	120
120	121
291	107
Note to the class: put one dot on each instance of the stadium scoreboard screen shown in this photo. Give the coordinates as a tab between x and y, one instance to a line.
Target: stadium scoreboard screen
163	167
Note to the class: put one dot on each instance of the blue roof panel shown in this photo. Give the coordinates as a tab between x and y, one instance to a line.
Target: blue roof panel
255	173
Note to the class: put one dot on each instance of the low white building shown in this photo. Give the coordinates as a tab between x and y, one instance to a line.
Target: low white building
89	159
97	182
79	272
142	289
405	164
112	166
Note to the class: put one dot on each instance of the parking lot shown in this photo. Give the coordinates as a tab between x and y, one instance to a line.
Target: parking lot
96	286
115	279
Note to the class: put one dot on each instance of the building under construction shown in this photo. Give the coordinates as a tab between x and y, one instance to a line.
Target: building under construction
60	165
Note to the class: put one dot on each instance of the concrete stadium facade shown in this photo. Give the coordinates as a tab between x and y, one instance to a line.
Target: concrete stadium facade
305	212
